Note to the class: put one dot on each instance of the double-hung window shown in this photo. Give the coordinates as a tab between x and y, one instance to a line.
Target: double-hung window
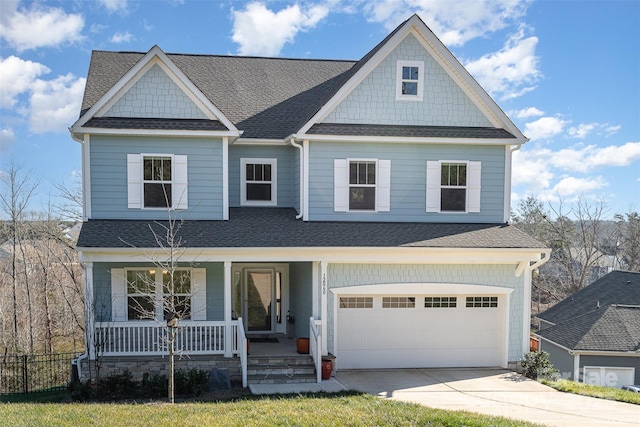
157	181
151	293
409	80
362	185
258	185
453	186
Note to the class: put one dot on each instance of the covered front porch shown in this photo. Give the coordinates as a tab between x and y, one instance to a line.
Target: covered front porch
232	304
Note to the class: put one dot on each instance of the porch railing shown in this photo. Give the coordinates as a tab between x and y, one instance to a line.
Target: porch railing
315	345
150	338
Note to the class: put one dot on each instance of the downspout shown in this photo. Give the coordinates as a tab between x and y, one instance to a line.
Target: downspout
299	147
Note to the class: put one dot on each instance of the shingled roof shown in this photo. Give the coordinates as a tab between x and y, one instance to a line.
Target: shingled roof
617	287
608	328
278	228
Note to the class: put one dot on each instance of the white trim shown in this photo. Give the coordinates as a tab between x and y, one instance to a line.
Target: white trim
324	286
155	132
340	185
576	367
399	80
118	295
225	178
337	255
305	151
86	177
406	139
198	294
89	310
423	288
227	309
262	141
273	162
526	311
180	182
473	186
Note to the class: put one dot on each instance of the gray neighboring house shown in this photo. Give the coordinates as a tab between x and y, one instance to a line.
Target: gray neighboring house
593	336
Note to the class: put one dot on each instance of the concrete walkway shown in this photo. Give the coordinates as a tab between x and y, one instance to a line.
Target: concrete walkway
492	392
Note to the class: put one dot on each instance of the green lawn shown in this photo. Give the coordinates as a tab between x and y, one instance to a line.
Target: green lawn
345	409
608	393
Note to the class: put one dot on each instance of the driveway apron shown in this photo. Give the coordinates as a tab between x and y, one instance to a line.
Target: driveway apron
491	392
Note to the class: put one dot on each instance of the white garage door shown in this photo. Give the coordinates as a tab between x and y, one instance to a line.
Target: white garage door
377	331
607	376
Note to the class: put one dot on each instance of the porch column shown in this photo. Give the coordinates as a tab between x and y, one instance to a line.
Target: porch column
89	312
315	290
228	351
323	305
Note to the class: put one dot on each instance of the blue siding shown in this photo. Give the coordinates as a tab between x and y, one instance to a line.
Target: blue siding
374	100
288	164
559	358
102	288
408	180
109	175
300	296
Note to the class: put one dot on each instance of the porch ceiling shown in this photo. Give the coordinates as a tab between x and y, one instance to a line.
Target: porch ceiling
278	228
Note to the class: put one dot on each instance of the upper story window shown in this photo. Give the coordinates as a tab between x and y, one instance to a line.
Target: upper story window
157	181
258	185
362	185
409	80
453	186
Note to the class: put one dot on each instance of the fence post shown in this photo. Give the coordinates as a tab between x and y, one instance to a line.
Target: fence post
25	384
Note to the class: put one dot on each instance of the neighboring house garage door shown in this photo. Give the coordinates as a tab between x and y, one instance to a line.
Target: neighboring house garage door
608	376
421	330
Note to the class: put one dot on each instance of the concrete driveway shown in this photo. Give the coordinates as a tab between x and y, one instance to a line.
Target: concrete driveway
492	392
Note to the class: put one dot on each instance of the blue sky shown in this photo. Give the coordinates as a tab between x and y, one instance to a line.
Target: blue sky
566	72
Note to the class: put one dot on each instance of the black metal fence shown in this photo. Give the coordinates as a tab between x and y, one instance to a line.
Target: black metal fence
34	372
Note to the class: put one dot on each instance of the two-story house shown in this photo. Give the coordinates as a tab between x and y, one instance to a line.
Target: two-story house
368	200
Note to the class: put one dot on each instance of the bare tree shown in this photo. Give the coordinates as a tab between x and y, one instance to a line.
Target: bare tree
628	246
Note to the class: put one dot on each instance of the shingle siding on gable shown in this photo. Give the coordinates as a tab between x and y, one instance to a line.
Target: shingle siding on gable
408	180
374	100
155	95
109	175
342	275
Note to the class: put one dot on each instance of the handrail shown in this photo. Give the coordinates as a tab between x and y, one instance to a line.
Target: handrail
315	347
242	340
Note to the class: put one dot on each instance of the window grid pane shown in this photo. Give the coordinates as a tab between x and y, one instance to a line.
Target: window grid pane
480	302
440	302
356	302
398	302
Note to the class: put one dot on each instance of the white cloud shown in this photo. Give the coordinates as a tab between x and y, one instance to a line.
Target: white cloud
55	103
582	130
260	31
18	76
544	128
38	26
119	37
7	137
511	71
97	28
531	168
572	186
454	22
115	5
611	130
528	112
586	158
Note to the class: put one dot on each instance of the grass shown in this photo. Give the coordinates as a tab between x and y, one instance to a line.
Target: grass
37	397
348	409
608	393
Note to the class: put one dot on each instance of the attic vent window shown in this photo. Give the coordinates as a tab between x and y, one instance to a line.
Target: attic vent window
409	80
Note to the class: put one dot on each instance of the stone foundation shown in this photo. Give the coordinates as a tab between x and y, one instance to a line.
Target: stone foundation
138	365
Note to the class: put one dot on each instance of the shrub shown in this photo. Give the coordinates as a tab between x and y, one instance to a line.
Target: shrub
191	383
118	386
80	391
154	385
536	365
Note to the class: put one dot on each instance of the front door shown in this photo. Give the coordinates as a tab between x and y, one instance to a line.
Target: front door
259	295
259	307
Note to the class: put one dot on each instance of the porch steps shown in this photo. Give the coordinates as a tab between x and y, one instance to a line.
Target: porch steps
280	370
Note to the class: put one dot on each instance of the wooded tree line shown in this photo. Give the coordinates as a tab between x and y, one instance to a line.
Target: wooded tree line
586	242
41	296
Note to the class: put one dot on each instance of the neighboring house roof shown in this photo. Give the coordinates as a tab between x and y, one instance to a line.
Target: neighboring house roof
617	287
277	227
609	328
